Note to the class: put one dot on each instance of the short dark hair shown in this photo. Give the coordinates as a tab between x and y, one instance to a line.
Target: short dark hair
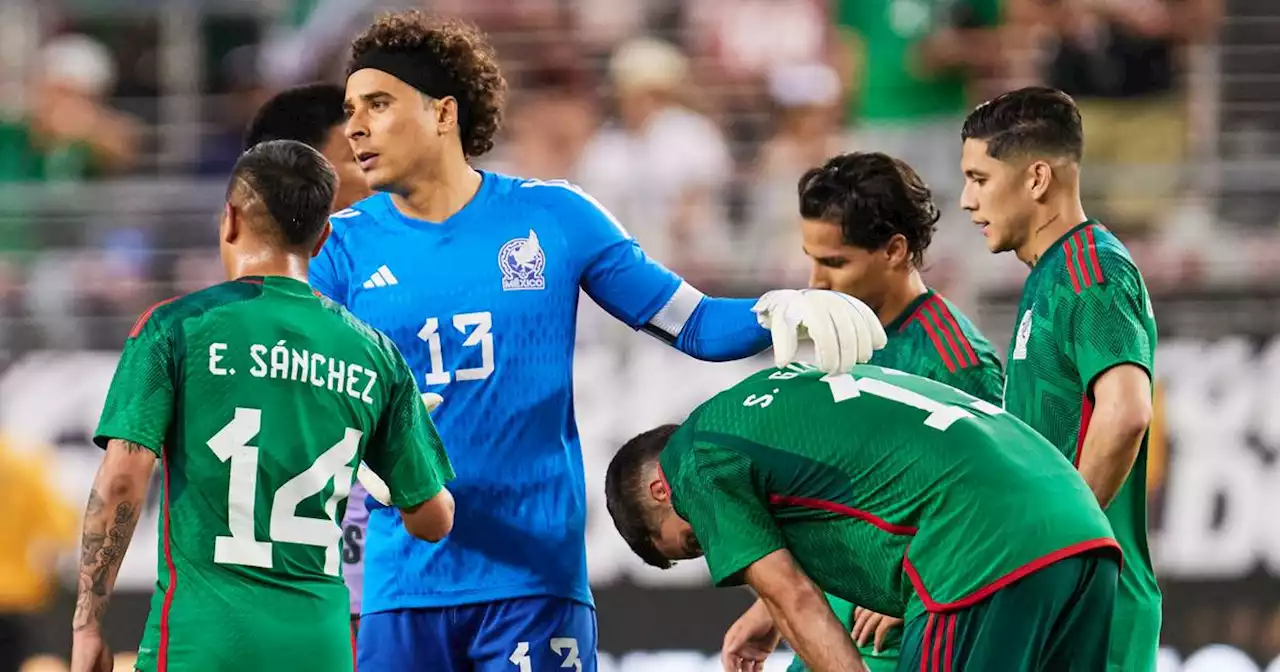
872	197
304	113
462	51
624	492
1036	120
292	182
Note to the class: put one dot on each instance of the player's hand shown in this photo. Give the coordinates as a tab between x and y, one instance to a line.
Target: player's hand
431	400
844	331
89	653
377	488
868	626
750	640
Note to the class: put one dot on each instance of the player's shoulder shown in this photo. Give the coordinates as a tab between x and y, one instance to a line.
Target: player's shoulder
563	200
1093	257
171	313
938	328
361	329
361	212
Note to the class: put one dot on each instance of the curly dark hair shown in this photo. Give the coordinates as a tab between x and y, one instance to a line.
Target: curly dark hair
463	51
872	197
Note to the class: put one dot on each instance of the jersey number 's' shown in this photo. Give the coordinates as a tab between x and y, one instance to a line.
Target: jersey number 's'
480	324
242	546
941	416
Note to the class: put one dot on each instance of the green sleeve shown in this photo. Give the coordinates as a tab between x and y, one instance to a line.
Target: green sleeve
985	381
1111	323
717	495
140	402
405	449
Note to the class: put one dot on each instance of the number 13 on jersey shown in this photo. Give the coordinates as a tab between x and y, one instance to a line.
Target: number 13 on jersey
476	327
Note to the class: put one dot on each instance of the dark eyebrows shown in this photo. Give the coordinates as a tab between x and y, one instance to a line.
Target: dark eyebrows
367	98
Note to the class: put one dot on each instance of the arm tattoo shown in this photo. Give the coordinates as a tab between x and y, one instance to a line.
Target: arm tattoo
115	503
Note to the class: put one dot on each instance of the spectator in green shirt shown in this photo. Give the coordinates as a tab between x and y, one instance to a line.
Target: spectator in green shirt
911	64
66	131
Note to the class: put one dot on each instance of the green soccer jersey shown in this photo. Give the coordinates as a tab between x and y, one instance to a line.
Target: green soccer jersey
933	339
260	398
1084	310
846	471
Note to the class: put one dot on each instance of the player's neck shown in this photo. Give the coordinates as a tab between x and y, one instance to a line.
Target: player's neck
272	263
900	296
442	196
1050	225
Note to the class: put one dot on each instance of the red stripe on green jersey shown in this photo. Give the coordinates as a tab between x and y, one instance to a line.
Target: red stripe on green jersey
934	339
954	352
1081	253
1094	266
961	347
927	643
146	316
162	657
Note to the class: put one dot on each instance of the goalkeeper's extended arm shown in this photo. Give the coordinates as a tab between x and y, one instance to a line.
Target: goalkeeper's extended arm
645	295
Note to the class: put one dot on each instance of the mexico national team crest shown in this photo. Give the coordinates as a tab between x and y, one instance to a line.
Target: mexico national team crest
521	261
1023	335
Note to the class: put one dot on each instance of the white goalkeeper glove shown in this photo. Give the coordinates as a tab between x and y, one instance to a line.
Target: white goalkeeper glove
376	487
844	331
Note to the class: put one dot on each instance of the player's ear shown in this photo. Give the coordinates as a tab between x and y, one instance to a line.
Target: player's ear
897	251
229	229
446	114
659	490
1041	175
324	236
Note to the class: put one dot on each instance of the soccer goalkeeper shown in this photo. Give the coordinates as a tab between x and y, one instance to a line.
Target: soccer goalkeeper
477	277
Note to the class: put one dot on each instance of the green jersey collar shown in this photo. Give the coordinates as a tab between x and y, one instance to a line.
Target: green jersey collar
901	320
1057	245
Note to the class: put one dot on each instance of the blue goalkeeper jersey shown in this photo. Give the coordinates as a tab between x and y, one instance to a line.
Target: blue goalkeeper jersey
484	308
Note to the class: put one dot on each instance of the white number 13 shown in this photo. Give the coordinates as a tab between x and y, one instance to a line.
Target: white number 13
479	335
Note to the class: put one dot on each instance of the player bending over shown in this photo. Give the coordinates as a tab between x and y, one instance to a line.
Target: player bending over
312	114
797	483
1080	360
477	276
867	220
259	398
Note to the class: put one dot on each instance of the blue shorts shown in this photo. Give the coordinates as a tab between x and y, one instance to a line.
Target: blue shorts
530	634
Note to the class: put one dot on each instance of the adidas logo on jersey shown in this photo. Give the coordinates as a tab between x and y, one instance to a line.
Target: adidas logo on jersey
381	278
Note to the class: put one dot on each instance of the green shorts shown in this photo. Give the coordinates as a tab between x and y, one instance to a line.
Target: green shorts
1057	619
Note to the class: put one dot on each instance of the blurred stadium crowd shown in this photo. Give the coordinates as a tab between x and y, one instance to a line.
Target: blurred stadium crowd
690	119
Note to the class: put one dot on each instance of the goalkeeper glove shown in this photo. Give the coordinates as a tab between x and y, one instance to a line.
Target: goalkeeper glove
379	494
843	329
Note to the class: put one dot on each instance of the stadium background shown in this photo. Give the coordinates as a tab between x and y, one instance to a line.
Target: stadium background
120	118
